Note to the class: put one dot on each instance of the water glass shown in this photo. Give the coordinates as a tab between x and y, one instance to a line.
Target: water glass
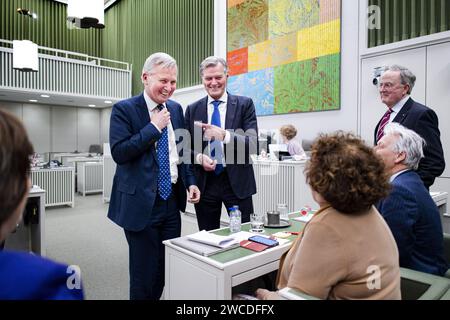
256	223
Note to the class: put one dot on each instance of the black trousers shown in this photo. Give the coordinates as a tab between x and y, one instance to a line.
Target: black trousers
146	250
217	191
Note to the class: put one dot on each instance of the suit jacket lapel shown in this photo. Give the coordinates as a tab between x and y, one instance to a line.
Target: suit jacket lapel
231	111
404	111
142	109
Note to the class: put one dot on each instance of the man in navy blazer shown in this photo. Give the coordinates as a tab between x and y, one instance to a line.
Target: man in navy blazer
396	85
409	209
224	133
149	187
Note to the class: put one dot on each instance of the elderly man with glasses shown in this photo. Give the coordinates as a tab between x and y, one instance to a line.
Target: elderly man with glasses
395	88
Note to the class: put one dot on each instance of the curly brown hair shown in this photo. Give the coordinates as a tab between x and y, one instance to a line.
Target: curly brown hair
346	172
15	149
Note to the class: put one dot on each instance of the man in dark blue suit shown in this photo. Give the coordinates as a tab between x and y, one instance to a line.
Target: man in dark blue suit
25	276
224	133
396	85
409	209
149	187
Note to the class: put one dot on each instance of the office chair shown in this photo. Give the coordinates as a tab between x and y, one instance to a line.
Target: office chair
447	252
95	148
417	285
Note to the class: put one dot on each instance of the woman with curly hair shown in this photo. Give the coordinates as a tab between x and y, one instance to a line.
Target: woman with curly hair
346	251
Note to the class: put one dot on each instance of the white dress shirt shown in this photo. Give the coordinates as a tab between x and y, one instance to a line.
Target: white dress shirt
174	159
223	114
398	107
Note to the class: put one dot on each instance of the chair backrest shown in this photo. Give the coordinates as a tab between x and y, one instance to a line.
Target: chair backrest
307	144
417	285
95	148
447	248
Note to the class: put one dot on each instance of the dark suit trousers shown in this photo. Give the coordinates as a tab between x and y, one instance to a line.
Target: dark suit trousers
217	191
146	251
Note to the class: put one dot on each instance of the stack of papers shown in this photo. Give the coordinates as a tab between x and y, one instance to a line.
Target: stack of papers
212	239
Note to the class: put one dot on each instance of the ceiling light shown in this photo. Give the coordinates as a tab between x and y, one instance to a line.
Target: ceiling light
108	102
86	13
45	96
33	100
92	105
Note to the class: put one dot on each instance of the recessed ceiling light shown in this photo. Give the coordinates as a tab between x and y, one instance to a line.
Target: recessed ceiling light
45	96
32	100
92	105
108	102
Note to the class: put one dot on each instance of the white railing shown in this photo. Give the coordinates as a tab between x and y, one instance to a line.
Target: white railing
66	72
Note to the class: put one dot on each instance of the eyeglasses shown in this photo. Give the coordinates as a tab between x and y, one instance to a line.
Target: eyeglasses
389	85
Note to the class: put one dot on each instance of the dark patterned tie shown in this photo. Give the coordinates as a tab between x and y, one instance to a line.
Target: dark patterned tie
383	123
164	182
216	145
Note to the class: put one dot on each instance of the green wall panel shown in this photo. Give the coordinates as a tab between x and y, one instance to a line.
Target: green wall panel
181	28
133	30
408	19
49	30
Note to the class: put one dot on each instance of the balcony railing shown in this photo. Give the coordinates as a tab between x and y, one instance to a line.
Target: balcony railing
66	72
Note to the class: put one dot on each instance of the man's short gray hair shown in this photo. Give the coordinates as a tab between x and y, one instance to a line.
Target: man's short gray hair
408	142
406	76
213	61
159	59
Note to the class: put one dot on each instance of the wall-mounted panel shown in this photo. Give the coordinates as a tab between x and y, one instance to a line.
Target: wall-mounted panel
88	128
64	129
438	93
36	119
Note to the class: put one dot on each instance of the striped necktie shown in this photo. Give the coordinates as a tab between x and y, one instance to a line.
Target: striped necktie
383	123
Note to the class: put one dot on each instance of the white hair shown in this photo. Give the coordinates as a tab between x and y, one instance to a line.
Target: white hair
159	59
408	142
406	76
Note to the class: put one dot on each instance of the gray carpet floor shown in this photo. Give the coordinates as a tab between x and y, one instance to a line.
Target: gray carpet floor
84	236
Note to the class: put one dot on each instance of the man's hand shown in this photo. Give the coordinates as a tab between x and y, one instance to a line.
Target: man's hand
161	118
194	194
212	132
207	163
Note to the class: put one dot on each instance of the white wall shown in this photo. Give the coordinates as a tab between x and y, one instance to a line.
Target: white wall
57	128
308	124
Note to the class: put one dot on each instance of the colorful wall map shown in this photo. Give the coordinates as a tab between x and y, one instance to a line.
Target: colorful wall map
285	54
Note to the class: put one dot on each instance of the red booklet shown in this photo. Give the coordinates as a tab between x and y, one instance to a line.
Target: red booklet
251	245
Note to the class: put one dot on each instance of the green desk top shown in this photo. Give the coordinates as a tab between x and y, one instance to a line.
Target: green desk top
239	252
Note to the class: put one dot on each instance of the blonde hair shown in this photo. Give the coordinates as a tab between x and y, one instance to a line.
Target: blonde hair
288	131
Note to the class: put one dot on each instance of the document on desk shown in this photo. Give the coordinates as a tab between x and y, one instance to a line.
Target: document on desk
207	249
212	239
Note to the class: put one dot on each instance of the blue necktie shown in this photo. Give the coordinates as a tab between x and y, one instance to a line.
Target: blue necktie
216	145
164	182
